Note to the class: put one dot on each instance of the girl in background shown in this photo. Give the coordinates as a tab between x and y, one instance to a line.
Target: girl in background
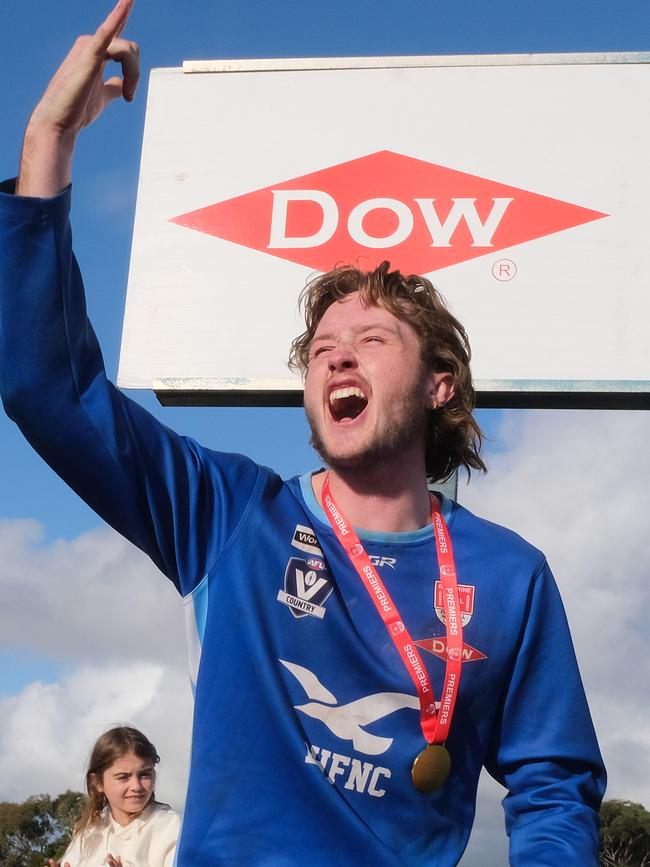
122	824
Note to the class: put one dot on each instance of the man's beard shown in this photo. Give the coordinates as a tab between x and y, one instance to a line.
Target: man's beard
393	437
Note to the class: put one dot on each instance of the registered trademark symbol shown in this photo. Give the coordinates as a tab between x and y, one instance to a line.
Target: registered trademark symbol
504	269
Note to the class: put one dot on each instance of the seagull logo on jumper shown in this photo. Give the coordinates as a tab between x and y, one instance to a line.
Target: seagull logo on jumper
348	721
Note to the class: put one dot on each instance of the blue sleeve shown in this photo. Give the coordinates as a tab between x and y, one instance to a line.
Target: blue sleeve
174	499
544	748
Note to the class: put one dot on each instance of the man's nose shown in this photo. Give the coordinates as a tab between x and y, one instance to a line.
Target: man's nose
342	357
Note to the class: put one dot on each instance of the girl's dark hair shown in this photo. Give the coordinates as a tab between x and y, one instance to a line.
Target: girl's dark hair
453	436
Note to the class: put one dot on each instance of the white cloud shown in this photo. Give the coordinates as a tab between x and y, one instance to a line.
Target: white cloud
100	607
96	598
48	729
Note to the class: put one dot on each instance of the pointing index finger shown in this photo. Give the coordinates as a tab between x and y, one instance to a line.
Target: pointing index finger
114	23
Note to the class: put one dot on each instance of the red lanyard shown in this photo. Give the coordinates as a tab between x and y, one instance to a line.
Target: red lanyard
435	724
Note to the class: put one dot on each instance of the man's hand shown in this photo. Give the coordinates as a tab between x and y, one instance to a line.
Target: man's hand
73	99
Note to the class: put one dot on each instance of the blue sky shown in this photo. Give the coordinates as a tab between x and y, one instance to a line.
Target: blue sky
37	35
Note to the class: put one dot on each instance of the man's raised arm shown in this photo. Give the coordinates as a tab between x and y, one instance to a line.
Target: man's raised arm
73	99
168	495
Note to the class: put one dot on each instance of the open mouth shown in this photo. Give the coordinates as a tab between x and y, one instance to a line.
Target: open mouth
347	403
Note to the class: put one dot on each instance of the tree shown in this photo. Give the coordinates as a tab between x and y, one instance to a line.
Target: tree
37	829
624	835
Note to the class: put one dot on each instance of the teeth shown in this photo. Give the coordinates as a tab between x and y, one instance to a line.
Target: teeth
350	391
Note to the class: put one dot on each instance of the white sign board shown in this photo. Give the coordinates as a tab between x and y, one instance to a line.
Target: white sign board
519	185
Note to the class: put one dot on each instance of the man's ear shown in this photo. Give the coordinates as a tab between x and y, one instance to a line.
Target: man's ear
442	387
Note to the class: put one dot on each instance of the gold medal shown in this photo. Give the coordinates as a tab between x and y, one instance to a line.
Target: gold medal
431	768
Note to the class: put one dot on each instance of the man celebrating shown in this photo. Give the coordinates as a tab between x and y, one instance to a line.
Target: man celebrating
333	617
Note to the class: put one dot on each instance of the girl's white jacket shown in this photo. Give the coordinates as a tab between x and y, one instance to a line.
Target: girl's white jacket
147	841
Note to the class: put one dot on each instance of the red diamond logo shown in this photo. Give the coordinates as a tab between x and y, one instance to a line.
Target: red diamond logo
438	646
419	215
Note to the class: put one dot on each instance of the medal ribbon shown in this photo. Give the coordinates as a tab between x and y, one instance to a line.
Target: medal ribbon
435	724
